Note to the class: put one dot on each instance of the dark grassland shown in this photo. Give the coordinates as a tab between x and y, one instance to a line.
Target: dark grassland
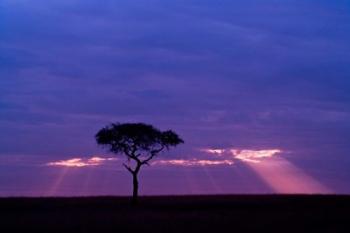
238	213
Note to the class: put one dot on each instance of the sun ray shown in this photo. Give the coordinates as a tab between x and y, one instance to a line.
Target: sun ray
278	173
55	187
284	177
217	189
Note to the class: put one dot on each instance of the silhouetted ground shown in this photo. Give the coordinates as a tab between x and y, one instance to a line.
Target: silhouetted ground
270	213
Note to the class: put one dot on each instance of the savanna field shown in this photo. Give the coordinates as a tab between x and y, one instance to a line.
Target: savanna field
239	213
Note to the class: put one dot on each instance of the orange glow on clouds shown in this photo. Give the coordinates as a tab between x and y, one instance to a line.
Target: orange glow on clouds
278	173
254	156
193	162
80	162
214	151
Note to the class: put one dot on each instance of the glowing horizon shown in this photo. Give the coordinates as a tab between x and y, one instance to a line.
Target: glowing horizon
243	155
268	164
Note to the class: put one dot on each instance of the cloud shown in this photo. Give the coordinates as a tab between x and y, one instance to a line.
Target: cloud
219	157
192	162
224	75
80	162
246	155
214	151
99	161
254	156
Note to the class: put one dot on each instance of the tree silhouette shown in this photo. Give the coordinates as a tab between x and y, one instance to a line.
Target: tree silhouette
139	142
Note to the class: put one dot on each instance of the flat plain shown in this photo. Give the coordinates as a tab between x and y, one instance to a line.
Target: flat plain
230	213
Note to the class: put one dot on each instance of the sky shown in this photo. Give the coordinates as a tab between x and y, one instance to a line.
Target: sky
259	91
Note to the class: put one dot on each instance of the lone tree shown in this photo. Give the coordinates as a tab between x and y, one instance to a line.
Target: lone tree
139	142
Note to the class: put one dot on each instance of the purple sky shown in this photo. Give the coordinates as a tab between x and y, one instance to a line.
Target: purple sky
245	75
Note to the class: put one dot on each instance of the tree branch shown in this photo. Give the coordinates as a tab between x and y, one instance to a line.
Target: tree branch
153	154
128	168
132	155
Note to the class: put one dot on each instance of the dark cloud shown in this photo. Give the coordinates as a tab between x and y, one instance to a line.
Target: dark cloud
225	74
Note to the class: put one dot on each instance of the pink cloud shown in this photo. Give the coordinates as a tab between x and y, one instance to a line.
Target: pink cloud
213	151
254	156
279	174
80	162
246	155
192	162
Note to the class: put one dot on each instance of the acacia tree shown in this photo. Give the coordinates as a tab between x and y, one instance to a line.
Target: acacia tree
139	142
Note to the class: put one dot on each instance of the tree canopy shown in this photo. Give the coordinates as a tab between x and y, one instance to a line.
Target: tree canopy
136	140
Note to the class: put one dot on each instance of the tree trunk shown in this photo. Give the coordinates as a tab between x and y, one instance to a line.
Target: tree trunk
135	192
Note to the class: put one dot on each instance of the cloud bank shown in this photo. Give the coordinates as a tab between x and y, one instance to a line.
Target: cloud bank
234	74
